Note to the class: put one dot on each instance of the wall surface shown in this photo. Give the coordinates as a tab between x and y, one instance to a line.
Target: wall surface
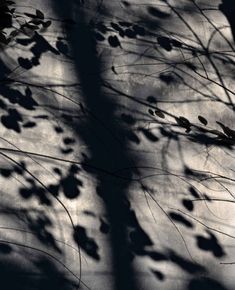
117	146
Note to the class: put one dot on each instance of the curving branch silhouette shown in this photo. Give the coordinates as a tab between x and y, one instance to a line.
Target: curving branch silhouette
117	140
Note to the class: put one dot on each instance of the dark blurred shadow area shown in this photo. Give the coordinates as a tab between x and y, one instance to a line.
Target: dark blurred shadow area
29	272
205	283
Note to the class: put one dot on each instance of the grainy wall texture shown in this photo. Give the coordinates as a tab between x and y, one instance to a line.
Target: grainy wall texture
117	145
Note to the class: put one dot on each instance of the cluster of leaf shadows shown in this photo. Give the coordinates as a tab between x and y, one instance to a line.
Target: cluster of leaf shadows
128	239
28	266
107	154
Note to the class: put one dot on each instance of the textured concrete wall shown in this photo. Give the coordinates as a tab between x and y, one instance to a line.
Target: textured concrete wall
102	180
